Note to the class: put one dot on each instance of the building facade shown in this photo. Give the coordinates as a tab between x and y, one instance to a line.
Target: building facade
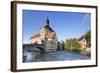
83	42
47	36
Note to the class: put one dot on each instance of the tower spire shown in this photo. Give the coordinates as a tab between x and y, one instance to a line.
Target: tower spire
47	21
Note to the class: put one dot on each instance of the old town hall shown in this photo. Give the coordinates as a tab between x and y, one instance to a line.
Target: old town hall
47	36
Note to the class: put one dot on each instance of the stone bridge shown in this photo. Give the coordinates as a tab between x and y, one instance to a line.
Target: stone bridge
41	47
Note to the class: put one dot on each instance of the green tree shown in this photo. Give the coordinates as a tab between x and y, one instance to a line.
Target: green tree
72	45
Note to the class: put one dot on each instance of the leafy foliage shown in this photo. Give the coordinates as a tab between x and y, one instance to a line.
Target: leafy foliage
75	46
72	45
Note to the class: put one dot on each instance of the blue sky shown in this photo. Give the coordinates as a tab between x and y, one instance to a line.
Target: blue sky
65	24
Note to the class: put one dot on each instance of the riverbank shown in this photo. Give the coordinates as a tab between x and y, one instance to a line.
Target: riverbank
86	52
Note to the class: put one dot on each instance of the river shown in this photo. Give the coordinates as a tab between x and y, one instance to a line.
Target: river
35	55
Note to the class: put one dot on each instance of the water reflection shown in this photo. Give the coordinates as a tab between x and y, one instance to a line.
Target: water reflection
37	56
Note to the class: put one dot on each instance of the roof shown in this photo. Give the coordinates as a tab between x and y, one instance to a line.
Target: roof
49	35
48	27
82	37
35	35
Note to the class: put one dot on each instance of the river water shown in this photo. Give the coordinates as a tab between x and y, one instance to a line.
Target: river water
61	55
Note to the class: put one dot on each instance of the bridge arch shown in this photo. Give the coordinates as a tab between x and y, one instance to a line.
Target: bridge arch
41	49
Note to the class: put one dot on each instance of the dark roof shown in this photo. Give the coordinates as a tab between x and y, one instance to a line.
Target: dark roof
49	28
82	37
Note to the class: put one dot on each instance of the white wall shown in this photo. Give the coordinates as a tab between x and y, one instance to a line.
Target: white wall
5	37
